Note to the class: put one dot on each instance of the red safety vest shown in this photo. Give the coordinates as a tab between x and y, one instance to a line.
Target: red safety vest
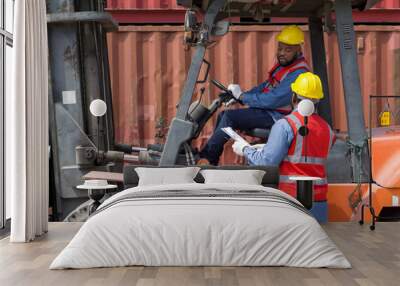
275	77
316	145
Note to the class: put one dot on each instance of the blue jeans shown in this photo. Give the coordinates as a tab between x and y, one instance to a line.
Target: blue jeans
238	119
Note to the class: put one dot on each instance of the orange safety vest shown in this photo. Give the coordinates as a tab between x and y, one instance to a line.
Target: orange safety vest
275	78
316	145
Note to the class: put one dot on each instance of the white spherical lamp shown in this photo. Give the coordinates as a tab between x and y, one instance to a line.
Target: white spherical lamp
98	108
306	107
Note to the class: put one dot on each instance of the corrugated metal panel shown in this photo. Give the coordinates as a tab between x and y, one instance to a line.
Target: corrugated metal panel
149	66
141	11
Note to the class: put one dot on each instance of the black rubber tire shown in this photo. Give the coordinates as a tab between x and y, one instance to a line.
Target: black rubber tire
361	222
372	227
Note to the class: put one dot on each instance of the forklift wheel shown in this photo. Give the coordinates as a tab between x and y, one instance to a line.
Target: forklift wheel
372	227
361	222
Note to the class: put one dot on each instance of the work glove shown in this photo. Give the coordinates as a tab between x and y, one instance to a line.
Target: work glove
238	147
236	90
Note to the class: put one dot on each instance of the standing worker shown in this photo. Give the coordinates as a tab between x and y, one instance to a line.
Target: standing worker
267	102
288	149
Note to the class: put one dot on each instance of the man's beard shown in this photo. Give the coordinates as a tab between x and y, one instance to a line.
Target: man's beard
289	62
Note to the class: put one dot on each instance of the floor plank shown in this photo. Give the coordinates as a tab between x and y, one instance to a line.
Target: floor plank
375	257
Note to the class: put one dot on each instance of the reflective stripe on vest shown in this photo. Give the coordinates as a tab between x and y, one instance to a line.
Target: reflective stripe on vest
297	156
302	159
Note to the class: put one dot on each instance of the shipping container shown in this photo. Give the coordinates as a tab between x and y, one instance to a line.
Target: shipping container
149	65
167	11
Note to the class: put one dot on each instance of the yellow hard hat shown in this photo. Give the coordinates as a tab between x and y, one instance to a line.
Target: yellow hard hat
291	35
308	85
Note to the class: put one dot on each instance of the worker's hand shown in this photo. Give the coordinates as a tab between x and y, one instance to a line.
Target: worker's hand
258	146
238	147
236	90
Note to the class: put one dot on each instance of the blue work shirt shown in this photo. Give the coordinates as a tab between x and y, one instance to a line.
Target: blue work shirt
277	97
276	149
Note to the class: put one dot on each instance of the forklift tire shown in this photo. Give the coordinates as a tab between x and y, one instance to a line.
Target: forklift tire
81	213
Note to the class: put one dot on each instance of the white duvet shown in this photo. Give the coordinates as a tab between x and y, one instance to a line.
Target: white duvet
183	231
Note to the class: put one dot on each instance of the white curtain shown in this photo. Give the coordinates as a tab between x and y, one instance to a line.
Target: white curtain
27	123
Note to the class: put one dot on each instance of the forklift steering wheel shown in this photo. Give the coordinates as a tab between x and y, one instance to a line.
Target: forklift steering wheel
225	90
220	86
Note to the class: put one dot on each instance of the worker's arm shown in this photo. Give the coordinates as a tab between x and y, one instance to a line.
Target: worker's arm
258	88
275	150
279	96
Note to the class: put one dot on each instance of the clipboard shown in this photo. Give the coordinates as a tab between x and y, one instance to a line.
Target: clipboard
234	135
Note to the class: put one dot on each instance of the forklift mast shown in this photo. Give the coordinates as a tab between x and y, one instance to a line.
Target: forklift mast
319	14
78	69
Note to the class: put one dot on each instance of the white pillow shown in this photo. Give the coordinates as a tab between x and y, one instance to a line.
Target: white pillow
164	176
248	177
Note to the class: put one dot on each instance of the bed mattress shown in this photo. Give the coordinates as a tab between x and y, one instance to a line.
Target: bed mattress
201	225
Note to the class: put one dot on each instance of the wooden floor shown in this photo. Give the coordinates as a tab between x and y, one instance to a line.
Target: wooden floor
375	257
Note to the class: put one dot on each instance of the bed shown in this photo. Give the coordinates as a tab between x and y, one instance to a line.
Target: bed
201	224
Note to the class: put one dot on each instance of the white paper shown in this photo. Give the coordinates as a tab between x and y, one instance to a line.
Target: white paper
235	136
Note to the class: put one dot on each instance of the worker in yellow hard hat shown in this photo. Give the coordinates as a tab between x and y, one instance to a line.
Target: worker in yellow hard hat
286	146
308	85
267	102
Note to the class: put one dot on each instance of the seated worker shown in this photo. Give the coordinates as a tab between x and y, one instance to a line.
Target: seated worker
268	101
286	148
